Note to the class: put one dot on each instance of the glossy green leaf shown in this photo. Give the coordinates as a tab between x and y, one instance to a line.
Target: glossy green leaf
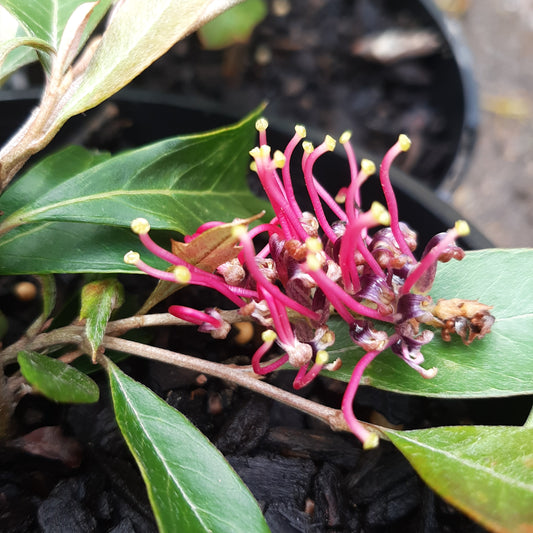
46	19
487	472
47	174
190	485
98	300
56	380
177	184
233	26
497	365
61	247
138	34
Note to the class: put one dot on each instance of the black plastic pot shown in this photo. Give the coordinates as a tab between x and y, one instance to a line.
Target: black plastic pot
133	118
314	77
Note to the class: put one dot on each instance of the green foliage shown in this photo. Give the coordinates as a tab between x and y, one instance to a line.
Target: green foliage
56	380
138	34
484	471
498	365
98	300
191	179
233	26
46	20
190	485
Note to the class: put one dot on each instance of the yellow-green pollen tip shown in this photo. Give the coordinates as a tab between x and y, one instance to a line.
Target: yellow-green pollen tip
345	137
368	167
300	130
308	146
264	151
255	152
371	441
322	357
131	257
182	274
462	228
253	166
404	142
239	231
269	335
279	159
380	213
140	226
313	261
261	124
313	244
341	197
330	143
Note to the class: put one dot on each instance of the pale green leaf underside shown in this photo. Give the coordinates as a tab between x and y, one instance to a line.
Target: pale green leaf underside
498	365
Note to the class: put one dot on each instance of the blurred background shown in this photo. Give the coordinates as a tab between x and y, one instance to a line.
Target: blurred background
497	192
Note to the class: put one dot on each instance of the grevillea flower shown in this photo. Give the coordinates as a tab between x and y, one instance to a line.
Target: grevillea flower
333	258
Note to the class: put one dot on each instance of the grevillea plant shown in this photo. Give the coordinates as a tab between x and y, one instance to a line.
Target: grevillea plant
330	287
310	267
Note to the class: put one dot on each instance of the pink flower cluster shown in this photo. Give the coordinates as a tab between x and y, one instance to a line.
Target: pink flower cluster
312	267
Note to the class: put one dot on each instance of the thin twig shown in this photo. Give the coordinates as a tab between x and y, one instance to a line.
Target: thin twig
245	378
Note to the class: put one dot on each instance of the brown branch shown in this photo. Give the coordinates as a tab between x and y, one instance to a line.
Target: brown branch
242	376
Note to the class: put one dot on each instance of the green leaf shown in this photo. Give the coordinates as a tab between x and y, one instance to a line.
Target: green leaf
138	34
233	26
497	365
10	29
9	46
190	485
177	184
487	472
61	247
57	380
47	19
98	300
47	174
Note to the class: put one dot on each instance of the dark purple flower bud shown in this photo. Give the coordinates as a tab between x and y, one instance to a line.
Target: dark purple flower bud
415	306
365	336
386	251
376	289
408	347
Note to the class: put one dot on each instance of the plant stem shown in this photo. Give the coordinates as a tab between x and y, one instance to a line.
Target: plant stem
244	378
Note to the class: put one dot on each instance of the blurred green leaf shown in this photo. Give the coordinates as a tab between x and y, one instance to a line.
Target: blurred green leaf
10	29
46	19
98	300
233	26
497	365
138	34
56	380
486	472
190	485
